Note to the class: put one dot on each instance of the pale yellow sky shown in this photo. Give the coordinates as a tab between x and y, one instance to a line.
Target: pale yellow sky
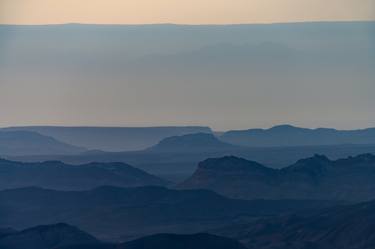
182	11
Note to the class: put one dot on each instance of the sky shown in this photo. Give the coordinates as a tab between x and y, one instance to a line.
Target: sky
225	77
182	11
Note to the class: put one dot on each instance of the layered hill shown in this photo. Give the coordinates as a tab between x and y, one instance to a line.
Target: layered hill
287	135
313	178
124	213
192	143
26	143
111	138
178	166
61	176
343	227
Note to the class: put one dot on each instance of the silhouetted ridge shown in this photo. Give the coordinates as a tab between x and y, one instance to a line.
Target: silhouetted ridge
112	138
364	158
312	165
231	163
58	175
314	178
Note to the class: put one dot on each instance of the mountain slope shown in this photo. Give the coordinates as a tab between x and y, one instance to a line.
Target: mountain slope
26	143
57	175
46	237
192	143
313	178
343	227
287	135
121	213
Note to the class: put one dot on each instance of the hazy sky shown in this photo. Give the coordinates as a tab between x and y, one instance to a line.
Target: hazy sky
182	11
227	77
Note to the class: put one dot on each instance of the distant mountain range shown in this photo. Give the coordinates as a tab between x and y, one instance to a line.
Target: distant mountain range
175	158
342	227
287	135
313	178
17	143
169	139
58	175
115	214
111	138
193	143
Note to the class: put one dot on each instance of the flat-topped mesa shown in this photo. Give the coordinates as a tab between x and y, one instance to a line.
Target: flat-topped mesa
192	143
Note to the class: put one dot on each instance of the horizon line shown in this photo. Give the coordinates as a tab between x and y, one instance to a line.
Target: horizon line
187	126
190	24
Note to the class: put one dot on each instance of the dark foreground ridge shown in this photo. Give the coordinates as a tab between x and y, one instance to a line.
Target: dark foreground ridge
63	236
113	213
46	237
342	227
